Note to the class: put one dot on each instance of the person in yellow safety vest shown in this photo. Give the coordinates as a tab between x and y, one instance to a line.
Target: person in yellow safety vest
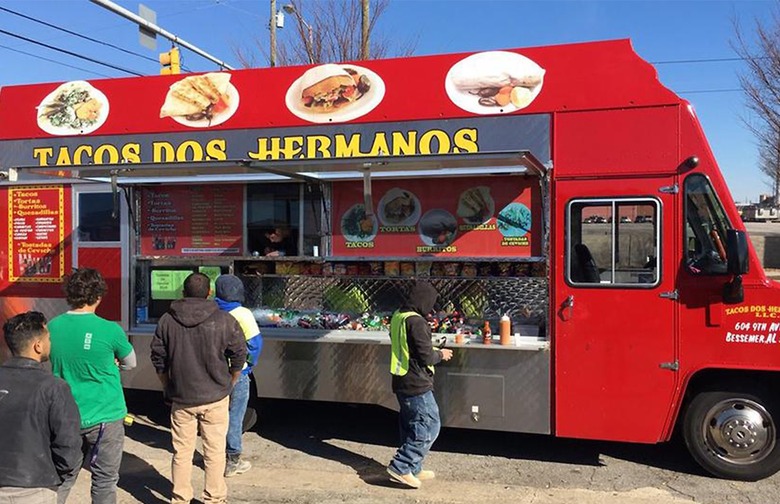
411	364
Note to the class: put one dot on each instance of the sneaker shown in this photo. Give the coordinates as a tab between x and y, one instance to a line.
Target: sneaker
236	467
425	475
408	480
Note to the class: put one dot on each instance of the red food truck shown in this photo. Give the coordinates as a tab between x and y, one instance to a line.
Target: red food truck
562	186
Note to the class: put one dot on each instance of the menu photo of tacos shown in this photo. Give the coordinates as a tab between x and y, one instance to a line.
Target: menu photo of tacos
357	225
476	206
201	101
399	207
494	82
334	93
74	108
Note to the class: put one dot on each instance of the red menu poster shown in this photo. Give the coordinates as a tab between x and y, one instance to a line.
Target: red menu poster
36	233
192	220
458	217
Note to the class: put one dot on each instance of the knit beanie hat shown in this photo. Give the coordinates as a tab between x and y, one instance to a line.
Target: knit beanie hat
230	288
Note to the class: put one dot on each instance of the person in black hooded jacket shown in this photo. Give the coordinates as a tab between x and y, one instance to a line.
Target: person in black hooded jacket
412	361
198	351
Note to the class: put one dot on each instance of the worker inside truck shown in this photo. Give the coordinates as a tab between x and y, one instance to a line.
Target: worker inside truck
283	219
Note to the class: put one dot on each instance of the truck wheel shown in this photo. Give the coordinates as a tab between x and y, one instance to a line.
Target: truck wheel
733	435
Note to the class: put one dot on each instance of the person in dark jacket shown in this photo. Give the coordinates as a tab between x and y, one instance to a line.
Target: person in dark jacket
198	351
412	360
40	441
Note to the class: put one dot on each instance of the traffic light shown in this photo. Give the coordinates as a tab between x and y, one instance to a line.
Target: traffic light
171	62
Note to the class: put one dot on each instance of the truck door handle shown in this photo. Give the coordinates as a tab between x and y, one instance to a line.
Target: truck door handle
567	308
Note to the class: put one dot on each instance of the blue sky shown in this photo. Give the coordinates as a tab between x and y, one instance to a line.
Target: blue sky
661	31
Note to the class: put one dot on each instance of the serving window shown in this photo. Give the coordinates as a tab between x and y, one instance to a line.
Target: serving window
284	219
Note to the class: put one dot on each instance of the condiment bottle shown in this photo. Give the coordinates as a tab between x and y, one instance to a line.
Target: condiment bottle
505	330
487	336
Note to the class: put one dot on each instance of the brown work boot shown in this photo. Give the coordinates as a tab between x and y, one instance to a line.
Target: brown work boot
408	480
425	475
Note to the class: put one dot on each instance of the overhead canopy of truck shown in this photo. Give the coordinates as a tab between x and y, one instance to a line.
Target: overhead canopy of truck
476	111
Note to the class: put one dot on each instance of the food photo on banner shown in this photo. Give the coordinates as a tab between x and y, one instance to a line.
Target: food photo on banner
490	217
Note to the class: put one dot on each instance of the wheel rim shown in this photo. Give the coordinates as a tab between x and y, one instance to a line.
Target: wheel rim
739	431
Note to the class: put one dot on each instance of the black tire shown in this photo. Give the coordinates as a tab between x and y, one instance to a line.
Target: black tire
733	435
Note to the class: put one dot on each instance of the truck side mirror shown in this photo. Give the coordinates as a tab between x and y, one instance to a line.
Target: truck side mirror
737	252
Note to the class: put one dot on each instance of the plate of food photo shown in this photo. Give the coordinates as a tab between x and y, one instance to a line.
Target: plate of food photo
356	226
494	82
201	101
438	228
335	93
74	108
399	207
514	220
476	206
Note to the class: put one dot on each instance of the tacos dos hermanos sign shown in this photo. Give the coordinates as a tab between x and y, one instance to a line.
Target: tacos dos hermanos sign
462	136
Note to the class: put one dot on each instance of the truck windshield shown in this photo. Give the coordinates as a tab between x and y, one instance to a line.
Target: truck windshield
705	230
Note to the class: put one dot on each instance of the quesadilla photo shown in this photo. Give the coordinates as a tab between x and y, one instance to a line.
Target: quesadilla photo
200	100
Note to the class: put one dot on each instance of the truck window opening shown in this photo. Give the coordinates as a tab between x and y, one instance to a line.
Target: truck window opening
95	220
705	230
613	242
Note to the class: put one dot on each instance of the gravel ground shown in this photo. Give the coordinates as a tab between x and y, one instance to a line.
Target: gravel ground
314	453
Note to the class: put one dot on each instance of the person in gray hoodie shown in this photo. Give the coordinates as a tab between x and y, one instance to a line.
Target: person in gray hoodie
198	352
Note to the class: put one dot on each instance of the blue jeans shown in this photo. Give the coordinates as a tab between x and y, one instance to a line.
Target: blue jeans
239	398
419	424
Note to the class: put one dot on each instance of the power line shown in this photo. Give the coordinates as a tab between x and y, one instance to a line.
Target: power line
698	91
76	34
701	60
70	53
52	61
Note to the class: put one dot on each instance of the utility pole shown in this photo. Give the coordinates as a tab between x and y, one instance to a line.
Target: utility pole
273	33
364	34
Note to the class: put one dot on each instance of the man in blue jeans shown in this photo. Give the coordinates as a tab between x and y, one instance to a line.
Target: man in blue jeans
230	295
411	364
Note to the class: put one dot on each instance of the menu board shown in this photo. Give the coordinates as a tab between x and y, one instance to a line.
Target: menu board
36	233
439	217
192	220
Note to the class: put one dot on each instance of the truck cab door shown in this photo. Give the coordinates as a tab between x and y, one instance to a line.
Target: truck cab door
614	307
100	239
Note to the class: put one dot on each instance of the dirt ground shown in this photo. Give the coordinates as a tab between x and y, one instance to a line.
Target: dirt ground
327	454
311	453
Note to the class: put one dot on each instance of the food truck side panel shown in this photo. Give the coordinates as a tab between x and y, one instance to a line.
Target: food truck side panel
724	346
616	329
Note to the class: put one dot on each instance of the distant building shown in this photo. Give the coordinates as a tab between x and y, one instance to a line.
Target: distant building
764	210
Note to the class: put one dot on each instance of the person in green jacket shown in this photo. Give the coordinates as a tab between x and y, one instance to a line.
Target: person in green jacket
88	351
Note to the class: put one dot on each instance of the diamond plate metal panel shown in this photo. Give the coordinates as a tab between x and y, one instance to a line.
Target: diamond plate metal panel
479	298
